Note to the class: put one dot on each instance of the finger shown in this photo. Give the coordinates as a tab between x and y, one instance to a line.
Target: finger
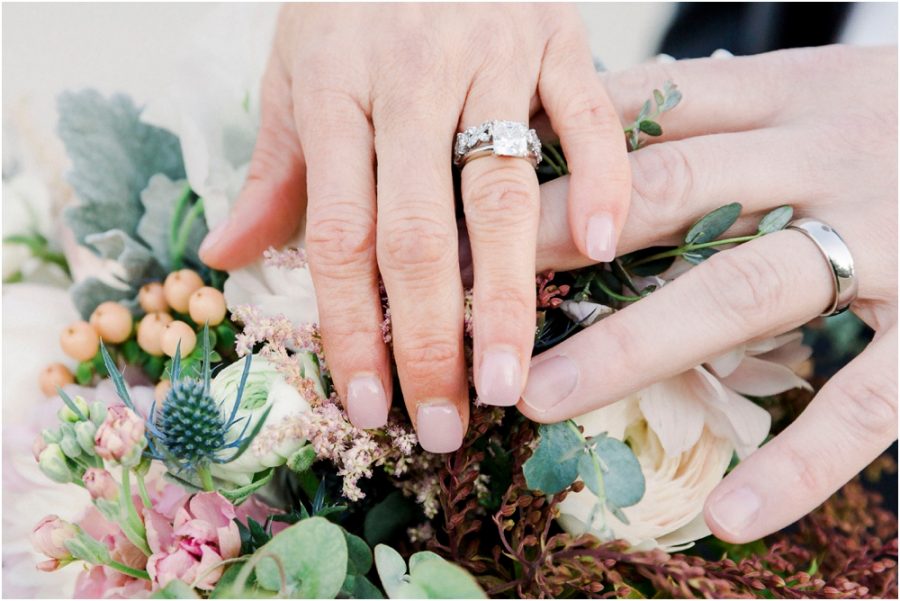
340	244
272	203
592	139
501	197
417	255
851	421
763	287
676	183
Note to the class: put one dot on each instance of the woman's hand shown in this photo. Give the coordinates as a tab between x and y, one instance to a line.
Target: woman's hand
361	102
816	129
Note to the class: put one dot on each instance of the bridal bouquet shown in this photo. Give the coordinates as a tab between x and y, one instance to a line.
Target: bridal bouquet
193	439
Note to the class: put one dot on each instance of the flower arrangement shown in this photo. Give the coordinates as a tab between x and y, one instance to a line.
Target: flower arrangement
195	411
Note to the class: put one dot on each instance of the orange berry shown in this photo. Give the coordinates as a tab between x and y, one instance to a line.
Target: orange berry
179	287
55	375
207	305
152	298
80	341
176	332
150	331
112	321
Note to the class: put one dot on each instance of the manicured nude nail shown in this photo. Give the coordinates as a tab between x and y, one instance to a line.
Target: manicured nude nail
734	511
439	426
601	237
550	382
367	406
500	378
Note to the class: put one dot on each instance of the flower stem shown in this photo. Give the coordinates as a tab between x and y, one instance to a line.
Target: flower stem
131	524
206	478
558	159
614	295
134	573
677	252
184	232
142	487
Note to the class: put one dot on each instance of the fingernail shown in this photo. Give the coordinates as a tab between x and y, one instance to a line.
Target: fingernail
213	239
500	378
439	426
367	406
735	511
601	238
550	382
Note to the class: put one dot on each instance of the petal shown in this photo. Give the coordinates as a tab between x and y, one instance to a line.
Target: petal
792	354
160	536
229	541
612	419
684	537
756	377
744	423
726	363
208	559
213	508
675	411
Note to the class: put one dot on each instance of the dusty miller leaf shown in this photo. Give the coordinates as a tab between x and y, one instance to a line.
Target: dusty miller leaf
713	224
159	200
89	293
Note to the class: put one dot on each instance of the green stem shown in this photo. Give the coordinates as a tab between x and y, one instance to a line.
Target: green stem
184	233
558	158
180	206
142	488
206	479
677	252
143	575
133	527
556	168
611	294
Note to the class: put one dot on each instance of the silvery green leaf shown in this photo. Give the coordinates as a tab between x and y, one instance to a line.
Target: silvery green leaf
113	156
176	589
554	464
441	579
138	263
89	293
658	97
590	470
159	200
695	257
359	554
673	96
620	515
713	224
651	128
776	219
645	110
623	479
391	570
416	558
86	548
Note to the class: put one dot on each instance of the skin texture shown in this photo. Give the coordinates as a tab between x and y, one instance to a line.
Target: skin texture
814	128
360	107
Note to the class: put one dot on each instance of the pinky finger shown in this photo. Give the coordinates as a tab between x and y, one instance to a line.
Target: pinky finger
849	423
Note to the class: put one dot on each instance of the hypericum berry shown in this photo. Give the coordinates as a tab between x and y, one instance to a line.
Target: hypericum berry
191	426
176	332
207	305
112	321
150	332
152	298
55	375
179	287
80	341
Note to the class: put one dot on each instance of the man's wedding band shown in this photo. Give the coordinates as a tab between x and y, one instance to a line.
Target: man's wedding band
497	138
836	252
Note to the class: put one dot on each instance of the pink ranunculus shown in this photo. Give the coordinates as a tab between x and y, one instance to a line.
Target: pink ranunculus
49	537
189	546
120	437
101	582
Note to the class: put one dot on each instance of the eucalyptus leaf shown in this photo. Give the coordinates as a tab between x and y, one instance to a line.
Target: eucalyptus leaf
776	219
359	554
175	589
225	588
713	224
388	518
623	479
313	554
554	464
391	570
697	256
590	470
430	577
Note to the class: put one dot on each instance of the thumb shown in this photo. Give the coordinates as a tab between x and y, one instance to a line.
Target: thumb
272	203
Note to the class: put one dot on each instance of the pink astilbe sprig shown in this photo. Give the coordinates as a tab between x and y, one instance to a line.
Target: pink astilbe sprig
549	295
287	258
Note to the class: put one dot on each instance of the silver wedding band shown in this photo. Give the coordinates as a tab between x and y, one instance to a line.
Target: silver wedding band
497	138
836	252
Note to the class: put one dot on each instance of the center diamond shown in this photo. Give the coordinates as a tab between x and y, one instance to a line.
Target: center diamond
510	139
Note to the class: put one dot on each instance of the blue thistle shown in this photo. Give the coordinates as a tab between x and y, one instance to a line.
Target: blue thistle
190	431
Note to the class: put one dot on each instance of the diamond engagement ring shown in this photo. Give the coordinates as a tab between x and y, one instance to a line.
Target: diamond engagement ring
498	138
836	252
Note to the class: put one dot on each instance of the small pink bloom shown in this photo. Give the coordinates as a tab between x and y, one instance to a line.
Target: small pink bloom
100	484
120	437
38	446
49	537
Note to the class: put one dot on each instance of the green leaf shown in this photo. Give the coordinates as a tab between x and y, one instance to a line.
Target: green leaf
645	110
360	587
225	588
623	479
176	589
776	219
313	554
672	99
713	224
84	373
651	128
658	97
430	577
238	495
359	554
388	518
113	156
391	570
160	200
86	548
302	459
590	470
697	256
90	292
554	464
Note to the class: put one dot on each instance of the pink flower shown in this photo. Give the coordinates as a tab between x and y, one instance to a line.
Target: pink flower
101	582
100	484
49	537
120	437
120	548
190	546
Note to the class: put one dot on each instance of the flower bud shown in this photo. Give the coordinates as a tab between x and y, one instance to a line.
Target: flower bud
51	435
52	462
100	484
121	436
97	413
38	446
49	537
67	415
84	434
69	444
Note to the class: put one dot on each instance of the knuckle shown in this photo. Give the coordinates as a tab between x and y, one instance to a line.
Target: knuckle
750	284
805	467
585	113
425	356
502	197
412	244
623	345
339	235
867	405
510	303
662	182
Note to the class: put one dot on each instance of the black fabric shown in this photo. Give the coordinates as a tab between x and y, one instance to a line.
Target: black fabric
699	28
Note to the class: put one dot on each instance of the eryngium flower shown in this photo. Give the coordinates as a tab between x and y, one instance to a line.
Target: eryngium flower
190	425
